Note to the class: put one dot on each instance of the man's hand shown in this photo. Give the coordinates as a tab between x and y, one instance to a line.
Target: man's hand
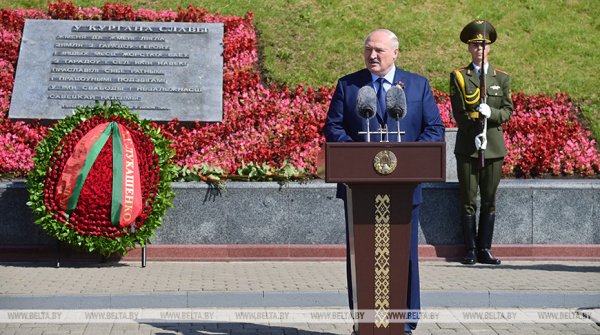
481	141
485	110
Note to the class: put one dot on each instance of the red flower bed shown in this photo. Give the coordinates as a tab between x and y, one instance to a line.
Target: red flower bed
278	125
445	106
544	137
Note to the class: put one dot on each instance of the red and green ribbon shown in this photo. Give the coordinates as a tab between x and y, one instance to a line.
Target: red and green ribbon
126	199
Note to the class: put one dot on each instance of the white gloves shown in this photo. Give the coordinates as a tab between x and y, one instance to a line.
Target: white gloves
485	110
481	141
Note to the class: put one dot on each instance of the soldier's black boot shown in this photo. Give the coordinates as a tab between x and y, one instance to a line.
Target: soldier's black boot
484	239
469	226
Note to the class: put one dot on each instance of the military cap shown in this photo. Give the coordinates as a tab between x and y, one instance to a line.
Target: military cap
473	32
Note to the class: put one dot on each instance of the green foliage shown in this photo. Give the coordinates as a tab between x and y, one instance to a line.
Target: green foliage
592	116
199	173
264	172
247	172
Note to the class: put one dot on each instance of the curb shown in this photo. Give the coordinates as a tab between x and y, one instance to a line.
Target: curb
429	299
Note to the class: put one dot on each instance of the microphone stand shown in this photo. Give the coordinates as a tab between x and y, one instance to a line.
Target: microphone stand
382	131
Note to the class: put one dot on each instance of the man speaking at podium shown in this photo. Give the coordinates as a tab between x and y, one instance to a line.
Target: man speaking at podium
422	123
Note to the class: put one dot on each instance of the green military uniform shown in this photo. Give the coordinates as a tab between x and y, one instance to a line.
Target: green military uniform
465	98
463	110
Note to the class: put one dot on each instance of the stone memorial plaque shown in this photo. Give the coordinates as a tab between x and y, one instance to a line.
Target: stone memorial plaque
163	70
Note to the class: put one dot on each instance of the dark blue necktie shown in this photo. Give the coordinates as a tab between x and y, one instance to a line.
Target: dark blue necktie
381	98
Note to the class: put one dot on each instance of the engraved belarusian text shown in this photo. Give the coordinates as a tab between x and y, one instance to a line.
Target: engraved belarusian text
159	66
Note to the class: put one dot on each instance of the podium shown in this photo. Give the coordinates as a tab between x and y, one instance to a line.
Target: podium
380	179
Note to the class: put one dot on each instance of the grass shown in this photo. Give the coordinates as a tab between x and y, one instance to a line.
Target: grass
546	45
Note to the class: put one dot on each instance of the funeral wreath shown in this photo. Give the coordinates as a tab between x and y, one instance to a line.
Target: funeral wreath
101	179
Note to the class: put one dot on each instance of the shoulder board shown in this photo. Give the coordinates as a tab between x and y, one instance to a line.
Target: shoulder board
461	69
506	73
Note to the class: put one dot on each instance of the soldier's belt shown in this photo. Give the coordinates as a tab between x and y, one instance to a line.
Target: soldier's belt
473	114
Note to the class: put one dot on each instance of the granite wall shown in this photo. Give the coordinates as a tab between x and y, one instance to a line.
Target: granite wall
529	212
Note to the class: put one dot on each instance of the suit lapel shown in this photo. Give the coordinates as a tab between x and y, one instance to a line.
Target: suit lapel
400	79
472	75
491	79
365	79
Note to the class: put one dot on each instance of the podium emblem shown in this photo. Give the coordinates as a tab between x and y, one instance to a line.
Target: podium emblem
385	162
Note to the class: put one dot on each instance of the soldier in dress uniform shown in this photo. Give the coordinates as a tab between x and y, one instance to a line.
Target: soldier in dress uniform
466	109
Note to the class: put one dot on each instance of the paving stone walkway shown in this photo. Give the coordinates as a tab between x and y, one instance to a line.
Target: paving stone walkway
516	297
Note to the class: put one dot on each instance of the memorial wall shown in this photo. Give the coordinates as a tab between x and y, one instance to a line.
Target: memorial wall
163	70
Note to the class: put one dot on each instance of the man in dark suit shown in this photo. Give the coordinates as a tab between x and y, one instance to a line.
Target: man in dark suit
422	123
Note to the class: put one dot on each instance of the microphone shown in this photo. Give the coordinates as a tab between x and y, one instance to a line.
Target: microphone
395	101
366	102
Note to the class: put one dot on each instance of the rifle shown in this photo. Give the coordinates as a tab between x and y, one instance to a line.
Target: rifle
482	124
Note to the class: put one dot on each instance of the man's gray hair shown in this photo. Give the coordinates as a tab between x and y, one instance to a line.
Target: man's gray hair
393	45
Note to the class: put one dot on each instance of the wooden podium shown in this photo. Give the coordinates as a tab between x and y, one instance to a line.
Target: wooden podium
380	179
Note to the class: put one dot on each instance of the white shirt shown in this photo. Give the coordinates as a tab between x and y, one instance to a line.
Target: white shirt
486	67
389	79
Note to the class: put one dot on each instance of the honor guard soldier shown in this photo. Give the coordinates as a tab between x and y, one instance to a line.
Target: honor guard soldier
479	110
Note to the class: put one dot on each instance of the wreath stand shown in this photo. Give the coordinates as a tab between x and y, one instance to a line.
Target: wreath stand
103	258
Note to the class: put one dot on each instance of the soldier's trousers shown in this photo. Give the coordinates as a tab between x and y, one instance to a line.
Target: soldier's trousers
471	177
